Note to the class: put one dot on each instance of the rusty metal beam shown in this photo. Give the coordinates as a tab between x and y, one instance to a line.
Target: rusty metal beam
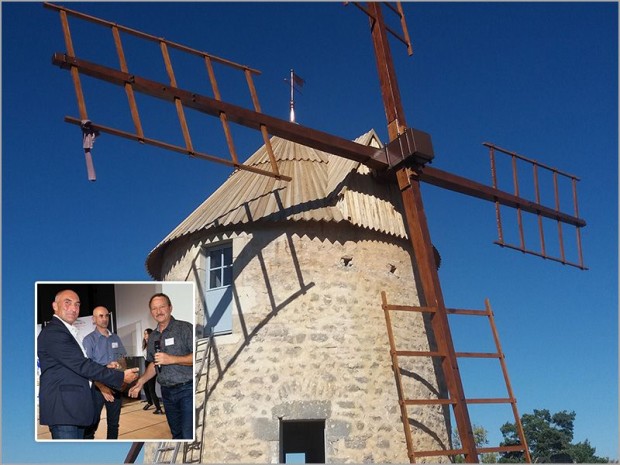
252	119
419	235
466	186
143	35
432	296
179	149
134	451
563	261
373	158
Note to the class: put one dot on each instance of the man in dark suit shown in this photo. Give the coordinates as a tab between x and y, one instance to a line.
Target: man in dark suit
65	393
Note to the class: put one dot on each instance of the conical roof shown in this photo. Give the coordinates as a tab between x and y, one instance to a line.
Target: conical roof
324	187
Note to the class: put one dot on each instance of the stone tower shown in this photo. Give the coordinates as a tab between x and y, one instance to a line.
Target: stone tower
289	279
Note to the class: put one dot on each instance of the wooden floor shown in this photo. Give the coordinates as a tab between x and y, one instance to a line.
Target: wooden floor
135	423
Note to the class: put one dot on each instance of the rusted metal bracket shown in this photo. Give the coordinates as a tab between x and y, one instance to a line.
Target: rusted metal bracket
412	149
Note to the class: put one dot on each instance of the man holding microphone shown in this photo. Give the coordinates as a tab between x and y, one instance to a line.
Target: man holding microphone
170	355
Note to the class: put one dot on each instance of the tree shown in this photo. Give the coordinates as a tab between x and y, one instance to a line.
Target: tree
583	452
549	438
480	439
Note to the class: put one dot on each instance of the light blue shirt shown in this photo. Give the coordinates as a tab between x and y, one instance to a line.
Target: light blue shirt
102	349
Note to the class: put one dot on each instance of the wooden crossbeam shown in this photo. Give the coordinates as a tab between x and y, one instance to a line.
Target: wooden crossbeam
178	149
466	186
245	117
369	156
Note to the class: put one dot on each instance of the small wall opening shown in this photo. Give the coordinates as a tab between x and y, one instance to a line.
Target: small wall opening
302	441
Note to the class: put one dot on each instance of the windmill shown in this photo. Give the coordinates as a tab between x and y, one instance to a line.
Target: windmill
403	161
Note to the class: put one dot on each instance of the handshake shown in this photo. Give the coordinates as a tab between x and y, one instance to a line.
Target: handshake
131	374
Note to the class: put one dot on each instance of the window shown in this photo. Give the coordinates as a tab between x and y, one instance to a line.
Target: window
220	267
302	441
218	294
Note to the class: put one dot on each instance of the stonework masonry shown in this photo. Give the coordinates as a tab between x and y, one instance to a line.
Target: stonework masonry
309	342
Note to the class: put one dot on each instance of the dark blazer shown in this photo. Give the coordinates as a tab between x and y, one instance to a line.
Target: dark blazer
65	397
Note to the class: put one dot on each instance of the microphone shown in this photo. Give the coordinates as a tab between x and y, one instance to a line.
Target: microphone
157	349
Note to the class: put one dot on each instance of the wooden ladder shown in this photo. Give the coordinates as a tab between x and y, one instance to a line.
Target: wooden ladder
404	401
163	448
192	451
168	451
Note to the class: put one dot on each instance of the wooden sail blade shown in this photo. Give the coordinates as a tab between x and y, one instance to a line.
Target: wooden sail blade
372	157
466	186
242	116
178	149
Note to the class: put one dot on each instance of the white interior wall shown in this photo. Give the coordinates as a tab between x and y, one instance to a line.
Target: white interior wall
182	296
132	309
133	316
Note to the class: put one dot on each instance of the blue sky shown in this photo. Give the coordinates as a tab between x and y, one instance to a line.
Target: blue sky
539	79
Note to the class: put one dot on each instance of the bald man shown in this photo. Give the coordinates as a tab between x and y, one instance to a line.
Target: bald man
105	348
65	396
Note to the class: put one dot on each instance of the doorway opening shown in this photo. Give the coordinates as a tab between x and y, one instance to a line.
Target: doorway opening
302	441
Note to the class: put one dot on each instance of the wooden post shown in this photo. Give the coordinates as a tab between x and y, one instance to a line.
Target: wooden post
419	235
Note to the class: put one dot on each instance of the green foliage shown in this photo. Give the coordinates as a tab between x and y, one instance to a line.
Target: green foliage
481	439
583	452
549	439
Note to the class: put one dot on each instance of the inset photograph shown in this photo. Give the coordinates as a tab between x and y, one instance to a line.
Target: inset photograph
114	361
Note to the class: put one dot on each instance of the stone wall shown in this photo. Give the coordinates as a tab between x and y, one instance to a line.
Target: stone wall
309	342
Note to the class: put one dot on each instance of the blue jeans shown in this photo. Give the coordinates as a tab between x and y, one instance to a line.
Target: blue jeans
113	414
67	432
179	407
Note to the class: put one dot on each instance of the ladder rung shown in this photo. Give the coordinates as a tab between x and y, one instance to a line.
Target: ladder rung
428	401
410	308
498	400
480	450
479	354
417	353
435	453
485	450
165	449
403	402
461	311
179	149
